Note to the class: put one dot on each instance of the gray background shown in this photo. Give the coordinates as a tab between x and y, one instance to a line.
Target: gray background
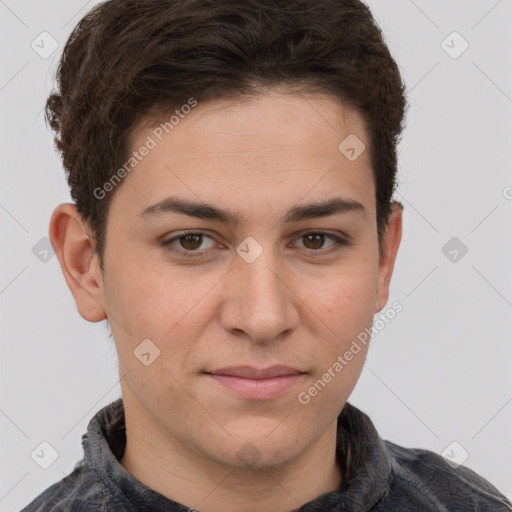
438	373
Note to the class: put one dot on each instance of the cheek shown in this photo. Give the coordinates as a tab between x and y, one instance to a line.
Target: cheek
343	300
143	295
150	306
345	305
170	309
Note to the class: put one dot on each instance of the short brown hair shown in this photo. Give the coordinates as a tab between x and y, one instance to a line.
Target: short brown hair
128	58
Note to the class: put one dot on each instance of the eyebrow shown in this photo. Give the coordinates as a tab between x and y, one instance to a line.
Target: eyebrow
201	210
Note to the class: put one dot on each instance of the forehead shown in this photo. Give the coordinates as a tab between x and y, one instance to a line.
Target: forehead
259	122
270	148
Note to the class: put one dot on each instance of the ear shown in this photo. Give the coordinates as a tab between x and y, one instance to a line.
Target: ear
79	263
390	243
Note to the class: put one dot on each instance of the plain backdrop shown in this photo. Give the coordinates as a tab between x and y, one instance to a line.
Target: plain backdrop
439	373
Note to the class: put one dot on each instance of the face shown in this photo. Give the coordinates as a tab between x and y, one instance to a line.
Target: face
218	300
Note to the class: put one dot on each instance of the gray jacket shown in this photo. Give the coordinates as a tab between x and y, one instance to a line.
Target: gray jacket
382	476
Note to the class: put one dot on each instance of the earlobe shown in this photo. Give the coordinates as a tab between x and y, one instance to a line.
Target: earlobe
390	244
78	261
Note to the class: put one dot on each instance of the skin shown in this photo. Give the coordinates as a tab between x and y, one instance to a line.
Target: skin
296	304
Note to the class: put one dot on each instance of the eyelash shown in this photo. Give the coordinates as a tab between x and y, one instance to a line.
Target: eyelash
339	243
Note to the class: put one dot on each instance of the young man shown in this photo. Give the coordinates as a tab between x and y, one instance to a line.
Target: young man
232	166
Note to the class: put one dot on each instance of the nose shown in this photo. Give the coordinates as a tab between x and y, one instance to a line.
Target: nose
259	300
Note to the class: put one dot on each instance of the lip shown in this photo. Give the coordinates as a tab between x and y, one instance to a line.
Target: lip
249	372
257	383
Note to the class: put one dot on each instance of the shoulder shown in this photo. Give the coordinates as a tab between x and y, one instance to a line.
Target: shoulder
422	476
80	491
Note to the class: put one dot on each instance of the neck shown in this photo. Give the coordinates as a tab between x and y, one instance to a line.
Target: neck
187	477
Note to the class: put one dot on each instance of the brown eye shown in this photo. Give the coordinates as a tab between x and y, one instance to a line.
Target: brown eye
315	240
190	242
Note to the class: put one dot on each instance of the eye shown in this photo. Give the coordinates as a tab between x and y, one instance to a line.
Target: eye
314	241
187	243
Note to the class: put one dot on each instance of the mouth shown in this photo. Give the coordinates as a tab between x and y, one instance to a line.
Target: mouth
256	384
